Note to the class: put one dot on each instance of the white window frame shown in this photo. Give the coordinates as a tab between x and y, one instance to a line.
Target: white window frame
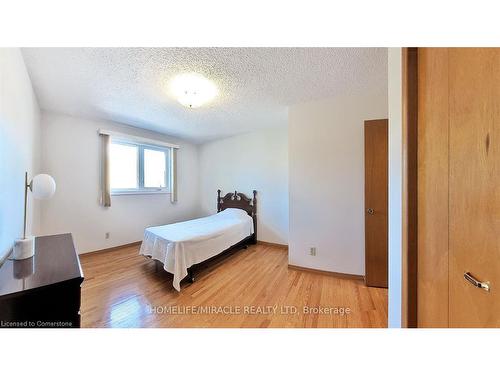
141	189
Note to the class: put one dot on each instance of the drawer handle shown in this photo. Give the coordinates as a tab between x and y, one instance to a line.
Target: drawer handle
485	285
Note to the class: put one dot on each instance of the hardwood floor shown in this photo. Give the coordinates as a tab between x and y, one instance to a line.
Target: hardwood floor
249	288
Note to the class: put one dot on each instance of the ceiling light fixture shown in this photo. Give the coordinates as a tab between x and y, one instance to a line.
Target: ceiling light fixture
193	90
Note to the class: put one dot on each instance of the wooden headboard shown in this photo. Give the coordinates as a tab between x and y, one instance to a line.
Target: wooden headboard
241	201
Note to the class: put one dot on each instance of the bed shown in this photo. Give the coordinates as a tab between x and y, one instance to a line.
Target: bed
182	247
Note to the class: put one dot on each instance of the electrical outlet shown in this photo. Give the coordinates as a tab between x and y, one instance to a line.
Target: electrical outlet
106	235
312	251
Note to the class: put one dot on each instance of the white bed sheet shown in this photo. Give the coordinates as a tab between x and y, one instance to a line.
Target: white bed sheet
178	246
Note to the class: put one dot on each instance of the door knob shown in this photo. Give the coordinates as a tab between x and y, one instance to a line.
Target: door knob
370	211
485	285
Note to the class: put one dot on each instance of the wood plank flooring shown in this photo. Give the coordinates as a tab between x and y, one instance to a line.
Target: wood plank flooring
250	288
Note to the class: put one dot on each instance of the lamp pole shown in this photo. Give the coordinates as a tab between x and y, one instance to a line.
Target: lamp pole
26	186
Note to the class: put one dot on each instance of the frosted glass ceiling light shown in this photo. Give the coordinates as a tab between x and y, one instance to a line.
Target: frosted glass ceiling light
193	90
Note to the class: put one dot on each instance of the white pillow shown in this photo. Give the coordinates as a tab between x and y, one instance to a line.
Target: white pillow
234	212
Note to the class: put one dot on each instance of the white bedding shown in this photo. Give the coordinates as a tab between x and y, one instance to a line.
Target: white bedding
178	246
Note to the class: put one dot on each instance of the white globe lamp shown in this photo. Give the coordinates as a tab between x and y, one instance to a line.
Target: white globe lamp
42	187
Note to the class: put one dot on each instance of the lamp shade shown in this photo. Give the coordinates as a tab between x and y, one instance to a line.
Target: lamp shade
43	186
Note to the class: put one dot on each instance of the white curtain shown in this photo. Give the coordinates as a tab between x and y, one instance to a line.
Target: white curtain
105	182
173	175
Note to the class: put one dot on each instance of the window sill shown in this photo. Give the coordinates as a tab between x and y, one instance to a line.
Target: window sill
139	192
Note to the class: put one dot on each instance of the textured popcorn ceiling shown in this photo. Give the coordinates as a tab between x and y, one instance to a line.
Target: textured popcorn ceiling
130	85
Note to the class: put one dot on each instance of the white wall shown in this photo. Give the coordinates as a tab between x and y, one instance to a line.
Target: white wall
253	161
326	166
19	146
395	185
70	150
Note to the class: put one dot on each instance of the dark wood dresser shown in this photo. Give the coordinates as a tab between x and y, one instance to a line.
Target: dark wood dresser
42	291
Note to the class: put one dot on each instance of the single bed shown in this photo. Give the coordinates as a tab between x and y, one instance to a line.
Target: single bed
182	246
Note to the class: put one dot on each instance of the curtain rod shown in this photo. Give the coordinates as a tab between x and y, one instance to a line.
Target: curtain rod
150	141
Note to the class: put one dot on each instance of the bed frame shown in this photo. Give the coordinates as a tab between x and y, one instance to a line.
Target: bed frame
232	200
241	201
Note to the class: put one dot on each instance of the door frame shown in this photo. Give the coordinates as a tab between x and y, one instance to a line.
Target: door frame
409	244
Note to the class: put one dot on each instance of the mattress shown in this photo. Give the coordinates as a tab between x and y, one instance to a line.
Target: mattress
179	246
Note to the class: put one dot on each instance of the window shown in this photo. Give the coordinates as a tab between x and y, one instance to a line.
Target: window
138	168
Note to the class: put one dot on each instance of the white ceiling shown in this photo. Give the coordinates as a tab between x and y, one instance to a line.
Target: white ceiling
130	85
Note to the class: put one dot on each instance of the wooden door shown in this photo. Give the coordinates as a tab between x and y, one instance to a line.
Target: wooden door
474	152
376	206
459	166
